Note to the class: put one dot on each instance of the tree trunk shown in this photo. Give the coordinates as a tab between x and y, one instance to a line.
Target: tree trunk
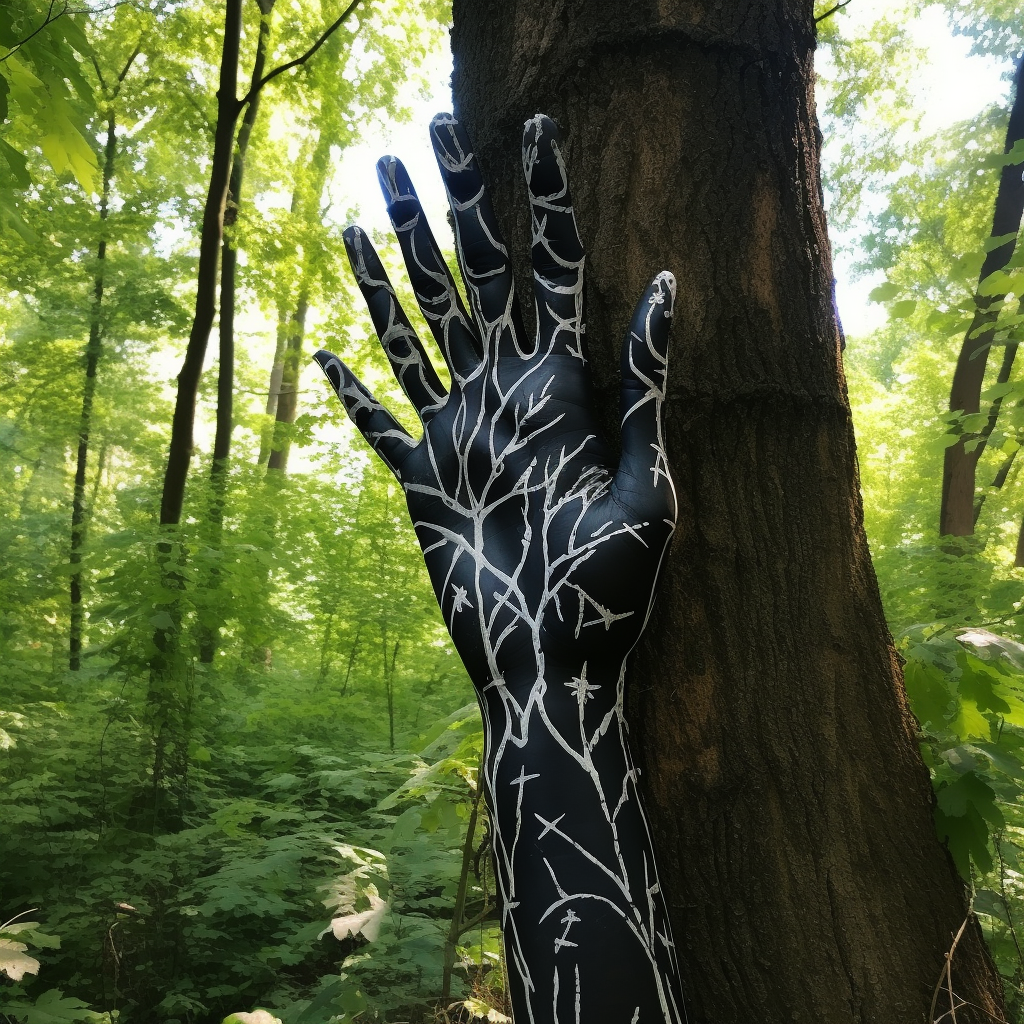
93	353
288	393
957	515
287	405
276	373
168	698
790	806
183	423
209	631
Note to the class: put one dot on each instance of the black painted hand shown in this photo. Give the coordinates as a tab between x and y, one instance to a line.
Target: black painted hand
543	555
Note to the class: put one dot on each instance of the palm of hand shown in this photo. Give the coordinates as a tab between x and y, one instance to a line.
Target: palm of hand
537	550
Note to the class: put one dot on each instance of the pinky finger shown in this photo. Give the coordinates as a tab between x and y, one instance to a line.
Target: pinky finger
385	435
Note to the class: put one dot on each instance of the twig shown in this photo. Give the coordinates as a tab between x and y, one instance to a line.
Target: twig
946	972
16	916
832	10
282	68
988	1013
50	17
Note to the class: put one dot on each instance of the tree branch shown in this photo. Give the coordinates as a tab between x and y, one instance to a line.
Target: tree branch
50	17
282	68
99	71
130	61
112	94
832	10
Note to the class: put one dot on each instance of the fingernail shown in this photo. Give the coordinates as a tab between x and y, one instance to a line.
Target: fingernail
450	143
394	180
331	365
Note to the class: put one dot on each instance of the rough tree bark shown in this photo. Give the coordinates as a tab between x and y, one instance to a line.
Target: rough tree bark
790	805
959	511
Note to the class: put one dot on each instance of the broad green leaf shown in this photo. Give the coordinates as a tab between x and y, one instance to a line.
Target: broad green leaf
884	292
52	1007
931	697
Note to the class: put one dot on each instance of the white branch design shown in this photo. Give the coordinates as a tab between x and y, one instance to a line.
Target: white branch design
521	522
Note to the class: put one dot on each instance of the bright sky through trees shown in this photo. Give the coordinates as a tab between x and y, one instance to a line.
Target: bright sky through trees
950	86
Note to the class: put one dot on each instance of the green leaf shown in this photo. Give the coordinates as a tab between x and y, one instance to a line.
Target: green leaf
51	1007
997	241
902	309
17	163
162	620
884	292
932	698
966	834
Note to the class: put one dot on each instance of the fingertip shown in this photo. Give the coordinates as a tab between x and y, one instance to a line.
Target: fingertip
648	326
541	124
332	367
352	236
394	180
666	279
452	148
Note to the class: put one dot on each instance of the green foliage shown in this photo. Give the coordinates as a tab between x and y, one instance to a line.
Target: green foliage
922	207
208	828
44	99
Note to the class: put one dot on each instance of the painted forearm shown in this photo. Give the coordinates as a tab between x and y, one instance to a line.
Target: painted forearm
583	915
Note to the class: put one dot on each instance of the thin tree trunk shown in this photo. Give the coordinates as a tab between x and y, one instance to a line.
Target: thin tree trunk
167	699
389	682
326	659
957	514
183	423
209	631
228	108
352	654
276	373
288	396
1005	370
790	807
93	353
291	369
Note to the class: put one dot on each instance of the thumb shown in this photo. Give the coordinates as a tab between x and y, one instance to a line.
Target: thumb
642	482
